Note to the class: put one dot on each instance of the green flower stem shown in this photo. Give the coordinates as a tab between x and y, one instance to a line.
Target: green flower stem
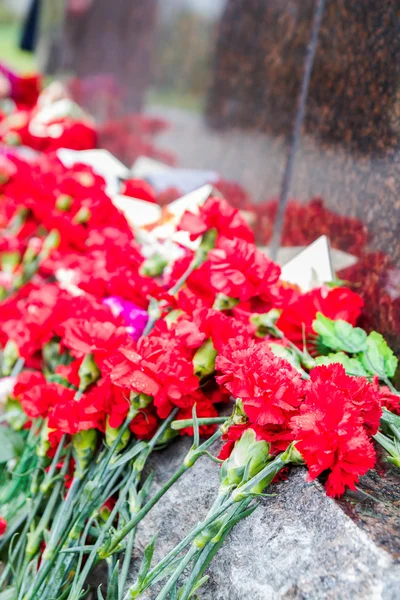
211	549
207	242
190	459
63	518
154	573
395	431
183	423
35	537
195	551
19	365
31	514
63	522
64	564
267	473
77	588
191	555
127	560
23	468
61	565
94	555
122	533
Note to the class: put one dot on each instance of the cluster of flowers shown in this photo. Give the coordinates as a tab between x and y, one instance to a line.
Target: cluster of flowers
104	346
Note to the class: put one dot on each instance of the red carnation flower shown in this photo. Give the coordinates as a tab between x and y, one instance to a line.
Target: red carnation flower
92	337
137	188
156	366
70	415
301	310
239	270
3	526
389	400
330	434
38	399
145	424
271	389
359	393
217	213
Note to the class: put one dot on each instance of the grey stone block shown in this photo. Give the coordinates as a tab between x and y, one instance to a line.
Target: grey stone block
298	544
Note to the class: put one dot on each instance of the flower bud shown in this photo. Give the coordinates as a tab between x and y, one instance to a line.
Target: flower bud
153	266
173	316
18	220
139	401
207	534
208	241
394	460
10	357
247	459
64	202
12	138
112	434
44	445
52	240
88	372
52	354
9	261
266	322
84	446
82	216
14	413
168	435
223	302
34	248
239	415
292	455
204	359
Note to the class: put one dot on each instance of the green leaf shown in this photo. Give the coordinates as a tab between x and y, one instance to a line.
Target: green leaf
56	378
340	335
8	594
14	414
129	455
287	354
351	365
99	593
146	561
378	358
113	587
11	444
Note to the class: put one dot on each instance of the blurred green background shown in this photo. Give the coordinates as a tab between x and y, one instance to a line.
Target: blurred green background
10	32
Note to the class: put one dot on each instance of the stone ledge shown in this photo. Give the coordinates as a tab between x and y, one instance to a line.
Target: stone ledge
298	545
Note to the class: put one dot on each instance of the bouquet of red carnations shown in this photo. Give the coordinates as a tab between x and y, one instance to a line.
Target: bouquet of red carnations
112	347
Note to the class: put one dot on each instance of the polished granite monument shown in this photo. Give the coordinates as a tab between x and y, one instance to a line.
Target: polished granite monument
226	77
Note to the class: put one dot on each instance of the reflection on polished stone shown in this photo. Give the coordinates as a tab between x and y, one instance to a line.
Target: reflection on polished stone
224	77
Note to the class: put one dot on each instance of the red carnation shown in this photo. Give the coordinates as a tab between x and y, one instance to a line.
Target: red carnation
271	389
145	424
301	310
217	213
390	400
331	435
38	399
239	270
70	415
137	188
357	392
92	337
3	526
